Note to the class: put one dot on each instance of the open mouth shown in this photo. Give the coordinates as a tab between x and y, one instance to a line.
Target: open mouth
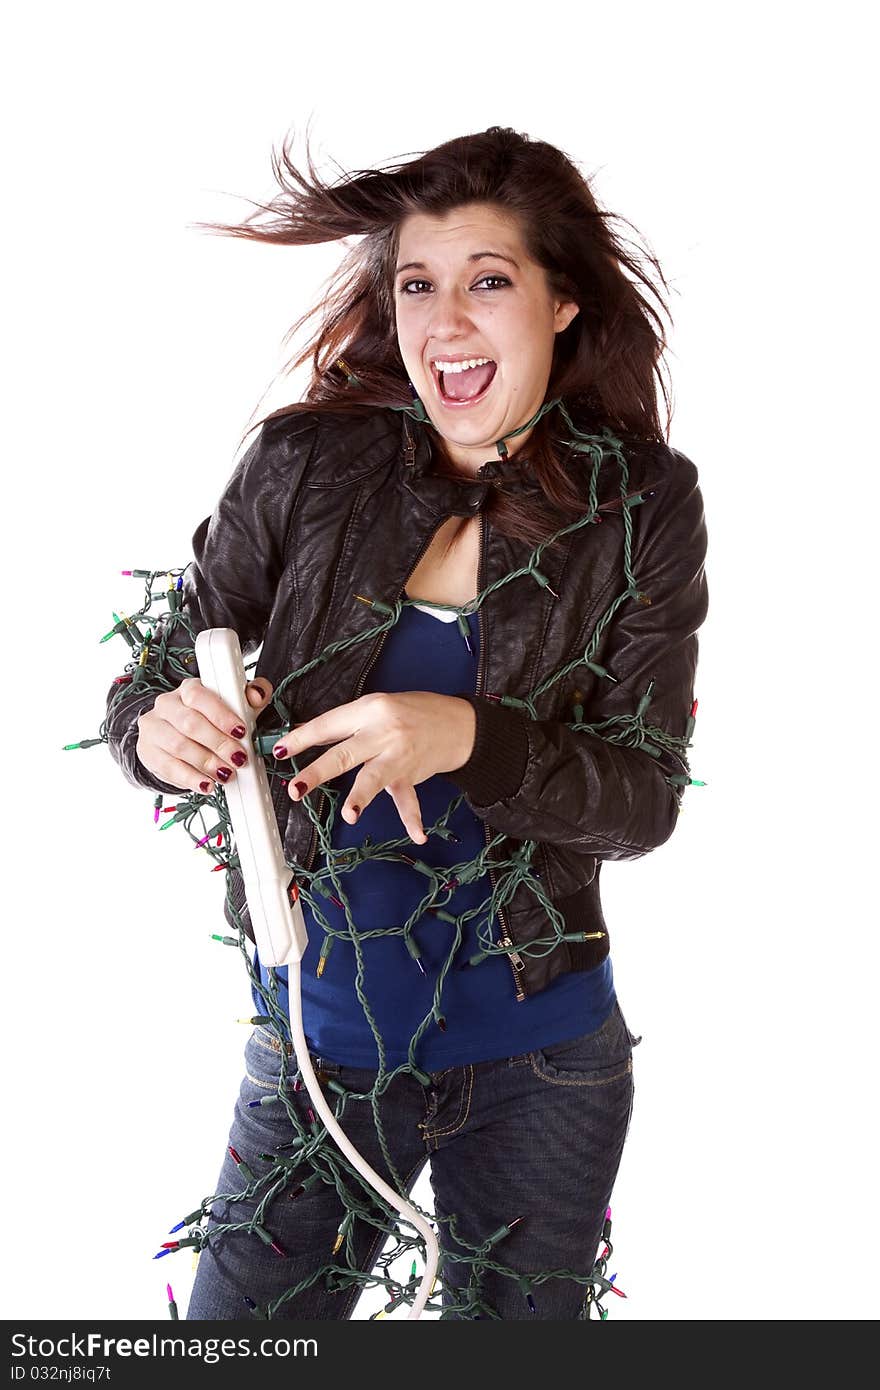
467	387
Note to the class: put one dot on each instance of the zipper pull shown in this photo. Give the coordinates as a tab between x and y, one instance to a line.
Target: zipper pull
409	447
514	955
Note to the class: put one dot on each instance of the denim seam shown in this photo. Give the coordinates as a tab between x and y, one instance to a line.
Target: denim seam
460	1119
273	1046
562	1081
423	1124
263	1085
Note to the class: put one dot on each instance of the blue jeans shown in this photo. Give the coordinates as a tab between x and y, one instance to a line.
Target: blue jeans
537	1136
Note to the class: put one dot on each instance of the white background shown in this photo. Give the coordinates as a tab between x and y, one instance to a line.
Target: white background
137	352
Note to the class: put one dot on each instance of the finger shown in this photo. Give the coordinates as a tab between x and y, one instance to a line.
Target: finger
342	758
185	733
193	695
333	726
368	784
260	692
403	794
180	774
170	752
156	759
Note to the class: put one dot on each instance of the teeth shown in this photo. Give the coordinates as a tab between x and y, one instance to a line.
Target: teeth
461	366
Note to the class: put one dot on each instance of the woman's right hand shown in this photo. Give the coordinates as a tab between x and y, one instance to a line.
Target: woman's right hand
191	739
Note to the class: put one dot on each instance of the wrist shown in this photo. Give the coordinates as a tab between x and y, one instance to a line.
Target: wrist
466	731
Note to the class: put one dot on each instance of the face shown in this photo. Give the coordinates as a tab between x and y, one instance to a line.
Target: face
474	292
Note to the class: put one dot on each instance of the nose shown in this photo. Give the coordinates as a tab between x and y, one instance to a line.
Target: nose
449	316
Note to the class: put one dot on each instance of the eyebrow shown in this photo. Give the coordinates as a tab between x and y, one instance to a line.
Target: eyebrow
477	255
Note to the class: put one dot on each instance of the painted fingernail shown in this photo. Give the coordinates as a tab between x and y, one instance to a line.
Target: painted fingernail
224	773
301	788
204	786
279	751
355	810
239	731
239	758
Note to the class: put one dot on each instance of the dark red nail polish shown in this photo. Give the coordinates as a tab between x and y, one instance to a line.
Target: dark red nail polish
239	758
356	810
239	731
279	751
204	786
301	788
224	773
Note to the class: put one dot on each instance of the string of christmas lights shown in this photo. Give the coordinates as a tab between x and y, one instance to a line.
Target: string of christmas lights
157	664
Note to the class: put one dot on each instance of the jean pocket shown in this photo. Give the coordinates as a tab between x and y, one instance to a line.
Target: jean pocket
263	1063
594	1059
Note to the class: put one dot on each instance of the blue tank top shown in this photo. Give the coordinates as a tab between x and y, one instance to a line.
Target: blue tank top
484	1019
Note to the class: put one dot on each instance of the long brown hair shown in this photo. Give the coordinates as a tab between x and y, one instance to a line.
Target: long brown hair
606	363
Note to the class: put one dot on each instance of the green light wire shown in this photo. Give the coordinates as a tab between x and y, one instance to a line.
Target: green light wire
311	1157
417	411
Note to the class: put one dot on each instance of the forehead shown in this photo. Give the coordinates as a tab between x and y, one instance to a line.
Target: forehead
458	228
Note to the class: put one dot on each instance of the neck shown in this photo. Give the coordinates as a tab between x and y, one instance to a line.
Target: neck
470	466
467	470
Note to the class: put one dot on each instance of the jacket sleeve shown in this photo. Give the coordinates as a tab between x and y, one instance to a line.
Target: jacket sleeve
239	555
543	780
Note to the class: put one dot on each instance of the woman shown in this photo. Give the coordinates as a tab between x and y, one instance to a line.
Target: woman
477	573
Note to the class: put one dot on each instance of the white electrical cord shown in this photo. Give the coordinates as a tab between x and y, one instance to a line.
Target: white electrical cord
278	924
394	1199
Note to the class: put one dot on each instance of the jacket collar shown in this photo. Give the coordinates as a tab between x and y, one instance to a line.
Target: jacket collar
460	496
463	496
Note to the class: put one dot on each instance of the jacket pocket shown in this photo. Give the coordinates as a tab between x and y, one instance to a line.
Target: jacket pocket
566	871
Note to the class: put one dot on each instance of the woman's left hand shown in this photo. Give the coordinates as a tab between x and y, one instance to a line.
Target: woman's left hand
401	739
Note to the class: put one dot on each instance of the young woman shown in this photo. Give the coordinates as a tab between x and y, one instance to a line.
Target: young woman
477	572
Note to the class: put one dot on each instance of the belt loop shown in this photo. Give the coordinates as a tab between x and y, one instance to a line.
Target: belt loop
321	1064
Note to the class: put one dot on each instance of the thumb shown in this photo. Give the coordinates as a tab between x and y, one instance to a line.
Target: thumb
259	693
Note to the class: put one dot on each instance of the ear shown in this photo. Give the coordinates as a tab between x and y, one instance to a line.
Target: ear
564	313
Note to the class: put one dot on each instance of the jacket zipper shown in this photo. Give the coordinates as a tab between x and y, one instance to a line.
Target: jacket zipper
517	964
514	958
374	656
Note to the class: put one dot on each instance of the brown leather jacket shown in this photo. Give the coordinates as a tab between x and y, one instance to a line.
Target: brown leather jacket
324	506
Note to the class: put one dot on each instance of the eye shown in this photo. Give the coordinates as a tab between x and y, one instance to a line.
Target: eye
405	288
